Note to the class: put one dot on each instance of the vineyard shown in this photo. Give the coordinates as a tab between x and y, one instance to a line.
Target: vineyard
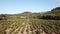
29	23
18	25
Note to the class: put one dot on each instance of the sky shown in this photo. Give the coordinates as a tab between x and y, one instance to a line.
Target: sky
19	6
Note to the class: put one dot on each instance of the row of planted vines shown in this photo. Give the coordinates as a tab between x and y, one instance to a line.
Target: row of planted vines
47	26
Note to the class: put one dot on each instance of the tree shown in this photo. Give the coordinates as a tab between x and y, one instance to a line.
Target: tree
3	17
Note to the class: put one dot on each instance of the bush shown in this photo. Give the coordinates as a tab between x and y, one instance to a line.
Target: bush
3	17
49	17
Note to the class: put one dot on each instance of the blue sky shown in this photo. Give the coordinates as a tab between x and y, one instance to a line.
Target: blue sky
18	6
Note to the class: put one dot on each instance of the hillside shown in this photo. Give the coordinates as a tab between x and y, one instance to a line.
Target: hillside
56	10
54	14
31	23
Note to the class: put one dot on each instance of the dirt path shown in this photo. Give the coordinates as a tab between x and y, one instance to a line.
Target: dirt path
25	30
15	30
12	24
53	33
34	31
42	32
19	32
8	29
29	29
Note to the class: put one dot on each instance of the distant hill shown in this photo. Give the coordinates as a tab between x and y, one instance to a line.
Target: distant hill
54	14
55	10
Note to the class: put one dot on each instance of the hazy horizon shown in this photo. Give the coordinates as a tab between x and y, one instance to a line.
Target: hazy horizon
19	6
